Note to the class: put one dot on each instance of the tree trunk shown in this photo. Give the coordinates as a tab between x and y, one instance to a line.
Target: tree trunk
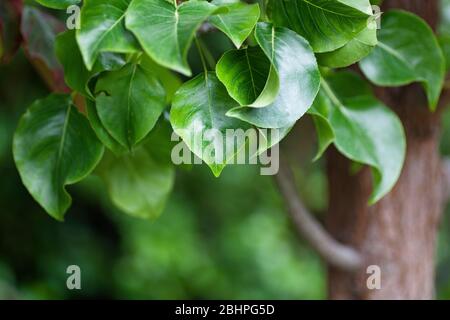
398	234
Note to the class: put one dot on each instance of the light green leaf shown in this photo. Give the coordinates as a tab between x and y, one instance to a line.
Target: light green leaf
54	146
407	52
238	22
166	30
326	24
58	4
129	102
76	75
248	76
198	116
298	75
364	129
140	183
103	29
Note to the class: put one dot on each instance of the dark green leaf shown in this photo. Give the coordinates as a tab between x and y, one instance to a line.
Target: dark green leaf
248	76
54	146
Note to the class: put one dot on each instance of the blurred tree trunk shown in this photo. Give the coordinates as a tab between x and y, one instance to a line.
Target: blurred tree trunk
398	234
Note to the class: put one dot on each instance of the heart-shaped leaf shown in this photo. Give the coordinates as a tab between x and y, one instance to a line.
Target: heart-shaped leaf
298	73
326	24
103	29
129	102
54	146
248	76
238	22
361	128
198	116
165	30
407	52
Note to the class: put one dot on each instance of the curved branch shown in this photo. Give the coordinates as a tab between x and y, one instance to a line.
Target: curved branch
446	177
333	252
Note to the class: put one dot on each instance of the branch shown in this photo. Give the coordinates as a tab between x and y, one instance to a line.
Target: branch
333	252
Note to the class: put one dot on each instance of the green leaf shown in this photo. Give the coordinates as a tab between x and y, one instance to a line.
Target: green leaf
407	52
355	50
103	29
362	129
166	30
54	146
76	75
102	134
248	76
326	24
140	183
198	116
58	4
129	102
298	73
238	22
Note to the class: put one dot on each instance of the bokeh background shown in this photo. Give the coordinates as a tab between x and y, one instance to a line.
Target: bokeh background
226	238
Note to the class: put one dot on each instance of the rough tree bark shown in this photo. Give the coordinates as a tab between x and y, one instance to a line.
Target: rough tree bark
398	234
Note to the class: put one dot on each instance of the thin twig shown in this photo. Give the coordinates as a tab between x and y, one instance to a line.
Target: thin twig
333	252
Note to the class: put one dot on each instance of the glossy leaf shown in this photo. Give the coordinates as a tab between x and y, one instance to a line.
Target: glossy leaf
54	146
364	129
198	116
355	50
103	29
407	52
326	24
76	75
298	75
248	76
166	30
129	102
238	22
58	4
140	183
